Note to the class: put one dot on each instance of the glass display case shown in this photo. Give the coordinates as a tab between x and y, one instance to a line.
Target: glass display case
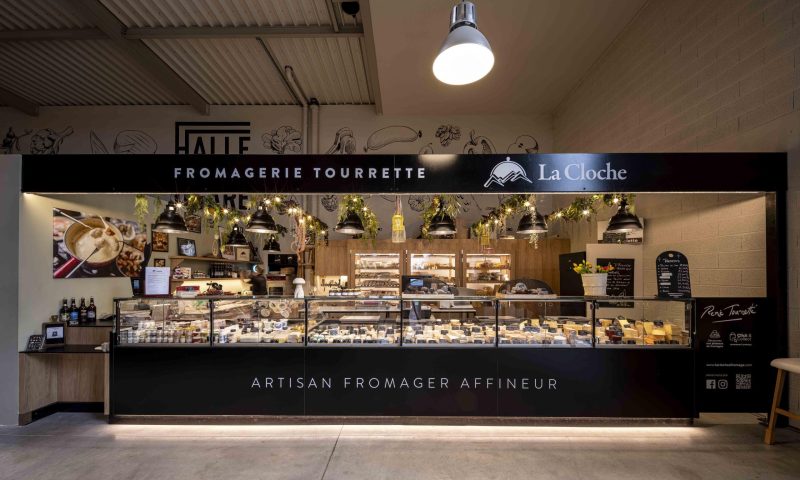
644	322
342	321
377	273
439	265
422	320
560	322
485	273
155	321
246	321
460	321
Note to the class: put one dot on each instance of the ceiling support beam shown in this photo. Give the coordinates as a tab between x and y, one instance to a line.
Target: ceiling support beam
97	13
241	32
370	57
15	101
332	14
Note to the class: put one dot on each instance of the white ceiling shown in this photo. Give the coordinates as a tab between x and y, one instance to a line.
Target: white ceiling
542	49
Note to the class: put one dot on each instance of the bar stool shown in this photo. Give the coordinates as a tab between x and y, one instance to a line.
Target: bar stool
783	365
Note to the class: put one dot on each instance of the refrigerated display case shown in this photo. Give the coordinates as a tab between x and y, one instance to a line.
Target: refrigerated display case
341	321
377	273
485	273
545	322
157	321
439	265
457	322
644	322
248	321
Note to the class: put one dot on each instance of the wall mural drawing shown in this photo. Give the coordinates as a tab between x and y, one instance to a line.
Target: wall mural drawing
417	203
11	141
47	141
448	134
478	145
133	142
330	202
392	134
426	150
344	143
524	144
284	139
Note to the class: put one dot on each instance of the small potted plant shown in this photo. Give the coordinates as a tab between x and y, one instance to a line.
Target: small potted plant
594	278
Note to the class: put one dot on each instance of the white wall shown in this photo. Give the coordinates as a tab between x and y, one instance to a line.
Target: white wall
700	76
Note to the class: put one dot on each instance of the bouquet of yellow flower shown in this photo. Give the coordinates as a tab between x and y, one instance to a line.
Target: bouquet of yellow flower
585	267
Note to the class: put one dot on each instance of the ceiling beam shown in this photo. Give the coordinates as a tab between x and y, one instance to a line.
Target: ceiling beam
20	103
52	34
332	14
370	57
241	32
136	50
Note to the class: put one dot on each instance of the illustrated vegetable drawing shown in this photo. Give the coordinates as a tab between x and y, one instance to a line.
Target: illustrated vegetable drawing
389	135
447	134
478	145
344	143
134	142
524	144
284	139
426	150
47	141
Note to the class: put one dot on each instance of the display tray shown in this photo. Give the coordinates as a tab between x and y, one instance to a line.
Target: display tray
422	296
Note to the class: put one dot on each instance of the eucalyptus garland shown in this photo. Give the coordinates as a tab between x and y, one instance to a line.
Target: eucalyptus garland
450	204
584	208
357	204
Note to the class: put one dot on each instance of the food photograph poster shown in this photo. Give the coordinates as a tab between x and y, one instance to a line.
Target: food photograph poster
87	245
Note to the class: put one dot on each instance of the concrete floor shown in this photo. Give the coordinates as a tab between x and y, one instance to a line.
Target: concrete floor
82	446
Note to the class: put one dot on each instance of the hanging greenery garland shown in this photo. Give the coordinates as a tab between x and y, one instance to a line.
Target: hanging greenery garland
357	204
584	208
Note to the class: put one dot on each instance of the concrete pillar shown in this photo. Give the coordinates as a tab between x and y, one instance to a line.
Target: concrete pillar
10	178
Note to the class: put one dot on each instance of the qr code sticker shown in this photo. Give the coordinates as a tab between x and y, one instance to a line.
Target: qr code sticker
743	381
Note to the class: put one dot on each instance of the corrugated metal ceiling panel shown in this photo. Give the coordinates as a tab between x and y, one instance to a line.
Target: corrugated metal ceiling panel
39	15
330	69
78	72
225	71
219	13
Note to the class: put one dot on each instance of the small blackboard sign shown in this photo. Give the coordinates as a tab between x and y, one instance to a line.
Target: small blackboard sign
620	280
570	284
672	272
609	237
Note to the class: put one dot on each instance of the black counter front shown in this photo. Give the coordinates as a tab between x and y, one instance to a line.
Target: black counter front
543	382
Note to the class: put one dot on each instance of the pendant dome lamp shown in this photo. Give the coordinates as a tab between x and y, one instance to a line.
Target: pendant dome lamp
351	225
261	221
236	237
272	245
531	223
624	221
442	224
465	56
170	221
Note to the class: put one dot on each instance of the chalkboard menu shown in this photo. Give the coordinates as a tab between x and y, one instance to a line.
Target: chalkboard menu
733	354
672	270
620	280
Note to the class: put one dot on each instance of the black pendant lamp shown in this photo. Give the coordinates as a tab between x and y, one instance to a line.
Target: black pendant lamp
443	224
624	221
531	223
272	245
170	221
351	225
261	222
236	238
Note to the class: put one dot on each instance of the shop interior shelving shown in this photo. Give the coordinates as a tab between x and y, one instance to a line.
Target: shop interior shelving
439	265
377	273
485	272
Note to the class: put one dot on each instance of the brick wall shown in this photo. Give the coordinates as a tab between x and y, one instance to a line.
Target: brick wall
689	75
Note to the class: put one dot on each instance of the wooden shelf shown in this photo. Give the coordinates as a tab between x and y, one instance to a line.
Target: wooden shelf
210	259
181	280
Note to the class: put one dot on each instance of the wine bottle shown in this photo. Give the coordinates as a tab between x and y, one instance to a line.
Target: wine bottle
83	312
74	314
63	314
91	313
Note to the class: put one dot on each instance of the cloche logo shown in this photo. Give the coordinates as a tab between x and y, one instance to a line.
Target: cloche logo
506	171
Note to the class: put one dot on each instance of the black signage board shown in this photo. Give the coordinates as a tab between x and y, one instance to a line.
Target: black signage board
570	284
733	373
563	172
416	381
672	275
620	280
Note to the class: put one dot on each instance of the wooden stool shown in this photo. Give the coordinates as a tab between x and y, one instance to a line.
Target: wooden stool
783	365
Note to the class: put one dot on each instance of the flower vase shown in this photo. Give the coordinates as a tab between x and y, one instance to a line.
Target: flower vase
594	284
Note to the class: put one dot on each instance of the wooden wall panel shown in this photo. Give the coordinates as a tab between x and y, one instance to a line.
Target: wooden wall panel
38	386
80	377
86	335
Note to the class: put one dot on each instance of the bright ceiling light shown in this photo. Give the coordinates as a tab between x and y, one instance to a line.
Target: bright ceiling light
465	56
